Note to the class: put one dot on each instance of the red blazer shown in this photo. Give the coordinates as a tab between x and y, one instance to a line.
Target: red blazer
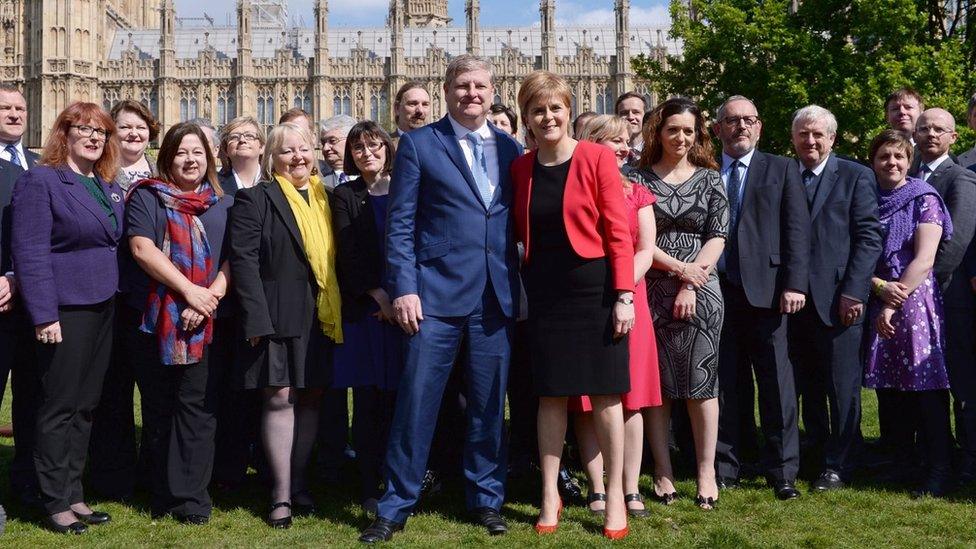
594	210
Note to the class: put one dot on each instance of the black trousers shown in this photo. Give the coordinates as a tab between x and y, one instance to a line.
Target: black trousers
827	365
239	410
372	415
115	466
179	409
18	359
523	405
927	414
71	374
333	434
754	338
960	326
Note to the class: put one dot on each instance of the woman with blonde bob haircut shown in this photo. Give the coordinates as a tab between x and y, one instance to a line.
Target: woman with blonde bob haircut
571	217
283	264
242	145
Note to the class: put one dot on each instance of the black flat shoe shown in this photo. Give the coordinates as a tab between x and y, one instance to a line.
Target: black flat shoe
281	523
73	528
638	513
380	530
594	497
707	504
93	518
491	519
192	520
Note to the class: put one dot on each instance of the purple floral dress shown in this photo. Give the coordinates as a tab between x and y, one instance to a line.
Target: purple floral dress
912	360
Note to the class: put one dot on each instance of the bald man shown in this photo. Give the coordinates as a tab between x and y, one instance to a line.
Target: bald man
935	132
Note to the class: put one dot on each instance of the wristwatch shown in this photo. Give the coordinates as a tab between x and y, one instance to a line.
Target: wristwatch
625	300
690	287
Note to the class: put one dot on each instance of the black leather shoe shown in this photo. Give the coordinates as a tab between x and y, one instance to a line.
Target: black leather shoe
280	523
726	483
828	480
936	485
569	490
95	517
491	519
380	530
73	528
785	489
193	520
430	485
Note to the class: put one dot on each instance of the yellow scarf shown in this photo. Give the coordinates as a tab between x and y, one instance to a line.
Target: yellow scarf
315	224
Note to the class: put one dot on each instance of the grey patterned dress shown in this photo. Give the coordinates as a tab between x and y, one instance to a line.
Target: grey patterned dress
687	216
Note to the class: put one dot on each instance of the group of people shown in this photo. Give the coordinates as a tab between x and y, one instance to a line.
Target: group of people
613	267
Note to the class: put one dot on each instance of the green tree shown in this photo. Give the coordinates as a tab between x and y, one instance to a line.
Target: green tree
845	55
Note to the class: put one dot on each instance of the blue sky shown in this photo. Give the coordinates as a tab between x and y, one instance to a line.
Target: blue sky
493	12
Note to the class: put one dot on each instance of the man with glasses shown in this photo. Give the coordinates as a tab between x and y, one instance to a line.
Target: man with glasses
934	135
764	277
332	137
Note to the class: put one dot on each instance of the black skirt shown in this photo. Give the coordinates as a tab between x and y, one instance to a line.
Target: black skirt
570	300
302	362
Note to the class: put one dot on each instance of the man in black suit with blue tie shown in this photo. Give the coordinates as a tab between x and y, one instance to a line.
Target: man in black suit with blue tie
845	242
764	277
16	333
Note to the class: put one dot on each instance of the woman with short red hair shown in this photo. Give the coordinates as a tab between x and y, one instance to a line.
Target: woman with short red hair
67	222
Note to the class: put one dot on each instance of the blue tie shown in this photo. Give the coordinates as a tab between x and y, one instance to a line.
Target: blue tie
479	169
731	255
11	149
343	178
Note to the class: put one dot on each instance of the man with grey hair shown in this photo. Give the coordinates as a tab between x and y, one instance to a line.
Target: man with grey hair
845	242
332	137
452	270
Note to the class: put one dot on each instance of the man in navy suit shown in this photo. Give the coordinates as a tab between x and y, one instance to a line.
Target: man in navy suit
451	271
845	242
16	333
764	277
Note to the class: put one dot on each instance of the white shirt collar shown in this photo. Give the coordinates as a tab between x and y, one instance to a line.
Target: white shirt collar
744	159
933	165
461	132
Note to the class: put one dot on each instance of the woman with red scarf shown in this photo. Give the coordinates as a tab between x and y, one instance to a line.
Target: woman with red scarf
175	226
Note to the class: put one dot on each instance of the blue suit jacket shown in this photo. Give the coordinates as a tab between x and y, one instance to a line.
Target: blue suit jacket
64	246
442	243
845	236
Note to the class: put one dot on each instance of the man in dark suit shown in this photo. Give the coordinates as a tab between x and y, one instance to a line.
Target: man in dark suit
934	135
452	273
845	242
16	332
332	138
764	276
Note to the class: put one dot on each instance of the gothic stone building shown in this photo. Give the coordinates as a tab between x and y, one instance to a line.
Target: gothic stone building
61	51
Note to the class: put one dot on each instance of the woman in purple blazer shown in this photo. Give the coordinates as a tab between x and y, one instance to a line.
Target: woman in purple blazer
67	222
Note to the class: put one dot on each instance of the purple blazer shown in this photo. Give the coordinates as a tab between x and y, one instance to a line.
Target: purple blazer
63	243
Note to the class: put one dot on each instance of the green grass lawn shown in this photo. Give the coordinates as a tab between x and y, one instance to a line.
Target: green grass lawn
868	516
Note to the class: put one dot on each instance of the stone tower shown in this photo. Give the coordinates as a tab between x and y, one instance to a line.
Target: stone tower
426	13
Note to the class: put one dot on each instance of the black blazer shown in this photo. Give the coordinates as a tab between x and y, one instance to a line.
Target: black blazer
957	186
359	259
228	183
275	284
773	236
845	236
9	172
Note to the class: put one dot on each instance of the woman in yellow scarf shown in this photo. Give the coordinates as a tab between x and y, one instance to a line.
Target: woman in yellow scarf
283	267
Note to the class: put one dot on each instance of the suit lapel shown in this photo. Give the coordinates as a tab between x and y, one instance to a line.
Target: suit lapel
755	176
445	132
506	155
936	178
80	194
827	181
284	211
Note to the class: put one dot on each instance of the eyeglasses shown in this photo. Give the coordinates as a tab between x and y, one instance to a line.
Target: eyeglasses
933	130
333	141
241	137
733	121
88	131
360	148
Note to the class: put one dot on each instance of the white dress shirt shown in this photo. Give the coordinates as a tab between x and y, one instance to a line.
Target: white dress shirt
490	150
744	162
4	154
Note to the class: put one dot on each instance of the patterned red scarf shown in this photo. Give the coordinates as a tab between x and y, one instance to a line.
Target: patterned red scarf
185	244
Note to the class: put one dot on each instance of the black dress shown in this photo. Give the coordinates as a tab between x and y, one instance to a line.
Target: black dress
570	303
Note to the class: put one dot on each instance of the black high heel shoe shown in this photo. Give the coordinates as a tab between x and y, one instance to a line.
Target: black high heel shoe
73	528
665	499
706	504
281	523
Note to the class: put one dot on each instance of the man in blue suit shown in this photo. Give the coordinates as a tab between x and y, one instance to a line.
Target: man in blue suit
845	242
16	333
451	271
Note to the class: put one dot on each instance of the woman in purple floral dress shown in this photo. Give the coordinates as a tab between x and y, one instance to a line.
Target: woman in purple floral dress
905	358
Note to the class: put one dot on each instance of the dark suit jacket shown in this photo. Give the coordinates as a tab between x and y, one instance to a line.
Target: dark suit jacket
773	236
274	282
228	183
359	258
957	186
9	173
64	245
845	236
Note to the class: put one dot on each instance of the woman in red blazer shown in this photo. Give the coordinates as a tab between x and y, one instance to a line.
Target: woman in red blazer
571	216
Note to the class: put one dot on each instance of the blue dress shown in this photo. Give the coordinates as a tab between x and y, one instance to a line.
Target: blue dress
371	354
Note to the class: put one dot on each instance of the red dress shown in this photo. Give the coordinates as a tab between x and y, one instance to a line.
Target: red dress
645	377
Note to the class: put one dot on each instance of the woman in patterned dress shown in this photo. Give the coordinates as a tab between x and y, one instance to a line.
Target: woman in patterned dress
692	215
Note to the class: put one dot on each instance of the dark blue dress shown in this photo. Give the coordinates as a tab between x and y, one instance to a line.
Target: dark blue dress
371	354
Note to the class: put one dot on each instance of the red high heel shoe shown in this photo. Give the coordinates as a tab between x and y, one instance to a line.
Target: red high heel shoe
544	529
616	534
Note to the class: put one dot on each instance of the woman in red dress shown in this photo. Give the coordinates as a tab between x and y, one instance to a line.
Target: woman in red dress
645	380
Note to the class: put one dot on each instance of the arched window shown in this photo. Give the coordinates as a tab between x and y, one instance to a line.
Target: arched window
379	105
604	99
188	104
341	104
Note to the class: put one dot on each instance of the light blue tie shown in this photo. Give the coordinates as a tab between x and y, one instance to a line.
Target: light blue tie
480	169
11	149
